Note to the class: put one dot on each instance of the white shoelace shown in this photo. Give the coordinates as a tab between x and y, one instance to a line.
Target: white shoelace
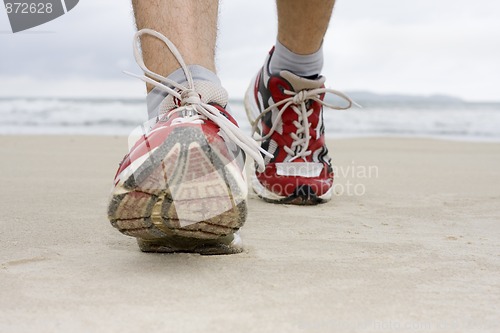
297	102
192	109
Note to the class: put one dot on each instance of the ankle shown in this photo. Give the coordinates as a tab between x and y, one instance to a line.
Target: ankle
199	73
302	65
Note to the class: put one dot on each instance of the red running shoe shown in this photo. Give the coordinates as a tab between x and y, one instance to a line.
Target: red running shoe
286	112
181	187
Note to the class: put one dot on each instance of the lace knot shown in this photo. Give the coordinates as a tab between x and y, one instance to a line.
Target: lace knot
300	97
190	97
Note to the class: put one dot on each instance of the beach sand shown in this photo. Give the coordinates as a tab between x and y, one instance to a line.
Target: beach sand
410	243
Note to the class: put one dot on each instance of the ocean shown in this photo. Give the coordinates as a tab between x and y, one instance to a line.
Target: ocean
391	116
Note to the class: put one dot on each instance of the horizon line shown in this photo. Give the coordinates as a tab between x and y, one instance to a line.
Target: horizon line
436	97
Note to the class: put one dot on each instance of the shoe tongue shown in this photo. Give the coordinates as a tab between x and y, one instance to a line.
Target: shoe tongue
209	92
301	83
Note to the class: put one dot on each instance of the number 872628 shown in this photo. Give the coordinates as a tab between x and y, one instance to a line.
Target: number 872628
28	8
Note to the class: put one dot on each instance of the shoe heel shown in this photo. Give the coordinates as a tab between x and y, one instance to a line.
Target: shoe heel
230	244
251	108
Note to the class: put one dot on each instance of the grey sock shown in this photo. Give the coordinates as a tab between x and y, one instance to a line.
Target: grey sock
301	65
156	96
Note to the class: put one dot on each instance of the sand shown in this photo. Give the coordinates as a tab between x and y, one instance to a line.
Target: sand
415	249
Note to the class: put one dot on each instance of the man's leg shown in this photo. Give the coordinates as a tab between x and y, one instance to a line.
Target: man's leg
302	24
190	24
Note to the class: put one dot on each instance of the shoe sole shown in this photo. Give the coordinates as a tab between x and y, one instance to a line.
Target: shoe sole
303	194
230	244
184	196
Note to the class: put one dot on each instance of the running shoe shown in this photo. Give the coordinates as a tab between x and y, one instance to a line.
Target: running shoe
182	186
286	113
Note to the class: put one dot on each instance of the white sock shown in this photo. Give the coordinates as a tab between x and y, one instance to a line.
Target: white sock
156	96
301	65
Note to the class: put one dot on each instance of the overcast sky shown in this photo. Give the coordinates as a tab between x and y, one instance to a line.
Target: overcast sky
386	46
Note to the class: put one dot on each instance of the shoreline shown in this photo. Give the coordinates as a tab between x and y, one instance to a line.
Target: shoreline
329	137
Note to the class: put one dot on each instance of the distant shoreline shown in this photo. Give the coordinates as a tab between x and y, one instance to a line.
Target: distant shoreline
356	95
471	121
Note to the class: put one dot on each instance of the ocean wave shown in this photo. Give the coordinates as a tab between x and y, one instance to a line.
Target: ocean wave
121	116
